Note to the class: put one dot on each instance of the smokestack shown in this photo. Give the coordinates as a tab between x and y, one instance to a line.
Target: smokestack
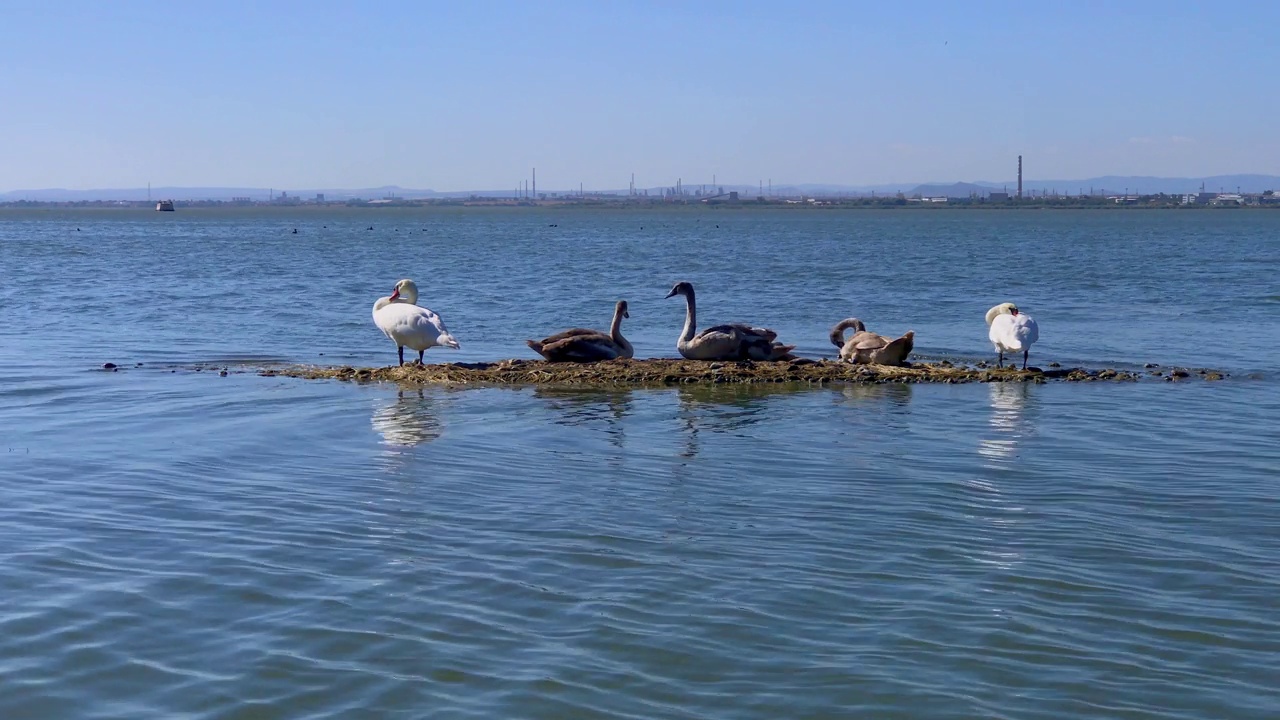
535	178
1019	177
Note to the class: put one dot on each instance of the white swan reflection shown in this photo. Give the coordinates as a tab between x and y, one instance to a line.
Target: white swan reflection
1008	421
998	513
406	421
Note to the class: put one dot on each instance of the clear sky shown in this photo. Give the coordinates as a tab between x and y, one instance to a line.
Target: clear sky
470	95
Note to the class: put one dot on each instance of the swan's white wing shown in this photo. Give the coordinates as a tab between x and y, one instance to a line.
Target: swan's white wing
1002	333
413	326
1026	330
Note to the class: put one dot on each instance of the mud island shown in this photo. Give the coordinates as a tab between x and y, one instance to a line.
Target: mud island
661	372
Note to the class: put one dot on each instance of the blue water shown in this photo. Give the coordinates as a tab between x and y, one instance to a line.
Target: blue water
183	544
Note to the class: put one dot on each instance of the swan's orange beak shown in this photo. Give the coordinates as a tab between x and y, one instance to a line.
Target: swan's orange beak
395	293
1013	312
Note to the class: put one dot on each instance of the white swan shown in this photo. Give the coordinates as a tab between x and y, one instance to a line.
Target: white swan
407	325
1011	331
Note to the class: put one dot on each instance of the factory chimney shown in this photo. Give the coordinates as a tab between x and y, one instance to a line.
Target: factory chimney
1019	177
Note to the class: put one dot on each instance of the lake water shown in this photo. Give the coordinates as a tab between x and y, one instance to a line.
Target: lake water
179	544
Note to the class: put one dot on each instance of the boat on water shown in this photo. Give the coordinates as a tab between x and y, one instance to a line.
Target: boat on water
164	206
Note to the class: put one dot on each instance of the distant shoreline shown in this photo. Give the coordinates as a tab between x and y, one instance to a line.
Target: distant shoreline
861	204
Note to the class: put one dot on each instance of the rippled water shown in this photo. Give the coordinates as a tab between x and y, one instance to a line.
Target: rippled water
180	544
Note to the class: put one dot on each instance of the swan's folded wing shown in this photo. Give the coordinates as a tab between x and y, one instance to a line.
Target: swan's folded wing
745	329
571	332
1003	332
896	352
865	340
1027	330
403	317
581	348
721	332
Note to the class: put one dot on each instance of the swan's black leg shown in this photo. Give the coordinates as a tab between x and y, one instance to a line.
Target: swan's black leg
400	349
420	356
1025	353
1000	359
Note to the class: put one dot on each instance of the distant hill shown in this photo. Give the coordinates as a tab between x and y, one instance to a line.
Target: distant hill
955	190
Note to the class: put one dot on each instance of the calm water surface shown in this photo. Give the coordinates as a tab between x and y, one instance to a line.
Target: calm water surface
176	544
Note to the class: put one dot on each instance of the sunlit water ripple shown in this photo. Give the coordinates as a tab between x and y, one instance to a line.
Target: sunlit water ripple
180	544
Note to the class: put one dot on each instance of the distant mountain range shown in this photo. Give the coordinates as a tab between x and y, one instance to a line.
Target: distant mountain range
1111	184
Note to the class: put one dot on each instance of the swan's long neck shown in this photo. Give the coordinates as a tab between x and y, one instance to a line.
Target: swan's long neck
409	295
615	330
837	332
690	317
381	303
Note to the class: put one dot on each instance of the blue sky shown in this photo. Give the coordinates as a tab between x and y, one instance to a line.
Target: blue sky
457	96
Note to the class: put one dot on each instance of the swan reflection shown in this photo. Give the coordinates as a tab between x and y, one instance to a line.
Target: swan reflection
1008	406
998	514
724	408
896	394
588	407
406	421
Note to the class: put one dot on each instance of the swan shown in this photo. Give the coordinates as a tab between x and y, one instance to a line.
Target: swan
1011	331
725	342
583	345
407	325
868	348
